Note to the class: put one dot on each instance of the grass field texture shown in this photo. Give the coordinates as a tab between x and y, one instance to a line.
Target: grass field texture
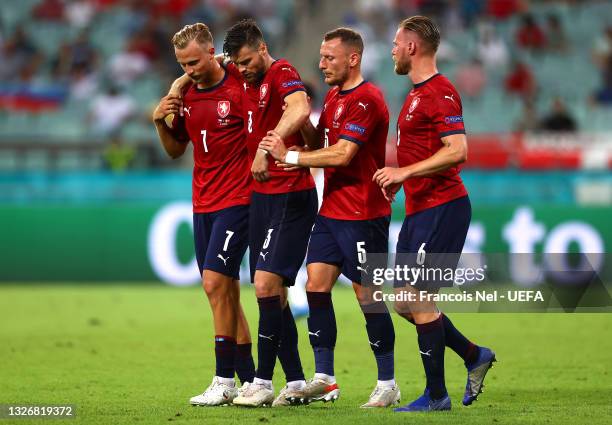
136	353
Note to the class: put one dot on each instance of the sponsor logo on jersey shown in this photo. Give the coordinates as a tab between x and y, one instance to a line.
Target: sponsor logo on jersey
292	83
339	110
414	104
453	119
354	128
223	108
263	91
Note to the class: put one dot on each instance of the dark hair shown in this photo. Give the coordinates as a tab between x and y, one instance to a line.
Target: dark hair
425	28
347	36
244	33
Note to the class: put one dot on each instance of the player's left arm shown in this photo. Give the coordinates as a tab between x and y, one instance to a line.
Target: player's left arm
295	115
452	153
177	86
339	154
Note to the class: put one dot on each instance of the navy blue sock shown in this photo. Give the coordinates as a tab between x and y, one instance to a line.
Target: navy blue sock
288	353
322	330
456	341
269	333
431	347
225	351
245	367
381	335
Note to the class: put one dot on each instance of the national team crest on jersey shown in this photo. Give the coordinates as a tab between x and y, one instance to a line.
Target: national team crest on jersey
338	111
263	91
223	108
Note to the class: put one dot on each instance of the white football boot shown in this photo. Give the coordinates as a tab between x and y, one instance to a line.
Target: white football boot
290	397
255	395
383	396
217	394
320	389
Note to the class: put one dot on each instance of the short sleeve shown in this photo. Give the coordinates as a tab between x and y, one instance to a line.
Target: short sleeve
360	121
448	115
288	80
178	129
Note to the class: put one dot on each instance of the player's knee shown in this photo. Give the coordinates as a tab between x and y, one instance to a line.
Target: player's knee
403	309
317	286
216	289
264	289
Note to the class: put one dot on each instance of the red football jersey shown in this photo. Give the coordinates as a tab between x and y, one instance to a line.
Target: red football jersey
432	110
358	115
213	120
263	107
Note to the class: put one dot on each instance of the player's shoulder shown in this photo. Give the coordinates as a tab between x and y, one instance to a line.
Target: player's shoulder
281	69
282	65
373	92
368	94
439	84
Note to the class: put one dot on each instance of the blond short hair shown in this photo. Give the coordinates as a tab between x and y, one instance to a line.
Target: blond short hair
425	28
198	32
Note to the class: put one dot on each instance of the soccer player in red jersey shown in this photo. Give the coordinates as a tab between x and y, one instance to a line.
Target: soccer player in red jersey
213	120
353	222
283	207
431	143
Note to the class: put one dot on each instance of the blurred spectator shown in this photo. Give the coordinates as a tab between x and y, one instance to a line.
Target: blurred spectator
79	53
559	118
471	79
79	13
529	34
20	57
110	112
603	96
83	83
503	9
451	19
492	49
602	47
471	10
520	81
528	121
49	10
127	65
555	34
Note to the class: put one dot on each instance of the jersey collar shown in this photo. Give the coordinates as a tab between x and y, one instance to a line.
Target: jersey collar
417	85
354	88
211	88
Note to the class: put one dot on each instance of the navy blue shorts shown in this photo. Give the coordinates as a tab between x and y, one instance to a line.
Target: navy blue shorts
279	227
221	239
347	243
439	231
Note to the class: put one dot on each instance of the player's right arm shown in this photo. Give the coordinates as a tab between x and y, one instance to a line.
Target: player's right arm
168	105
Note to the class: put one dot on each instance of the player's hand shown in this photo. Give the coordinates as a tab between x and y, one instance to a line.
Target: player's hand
259	169
179	84
274	145
291	167
388	176
390	191
168	104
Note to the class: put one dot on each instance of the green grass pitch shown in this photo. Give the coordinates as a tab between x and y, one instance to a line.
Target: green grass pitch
136	353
